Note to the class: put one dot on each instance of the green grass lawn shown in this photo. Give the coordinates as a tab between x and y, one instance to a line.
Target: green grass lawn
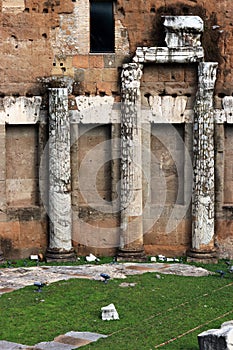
171	310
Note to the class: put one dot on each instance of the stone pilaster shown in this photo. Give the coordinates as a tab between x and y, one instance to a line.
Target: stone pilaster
131	236
60	246
203	165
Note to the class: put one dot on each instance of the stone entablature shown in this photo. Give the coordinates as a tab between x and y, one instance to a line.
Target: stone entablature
183	31
203	127
186	54
20	110
183	34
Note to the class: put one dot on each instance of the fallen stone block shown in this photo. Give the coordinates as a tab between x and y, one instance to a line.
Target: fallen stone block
109	313
217	339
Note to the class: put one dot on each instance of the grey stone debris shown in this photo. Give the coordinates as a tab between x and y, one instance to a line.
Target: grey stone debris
52	345
217	339
109	312
69	341
7	345
86	335
125	284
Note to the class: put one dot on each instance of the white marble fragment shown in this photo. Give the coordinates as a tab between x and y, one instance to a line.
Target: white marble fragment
183	31
109	312
91	258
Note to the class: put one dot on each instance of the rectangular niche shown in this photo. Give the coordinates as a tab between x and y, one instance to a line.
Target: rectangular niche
167	163
228	165
94	164
22	165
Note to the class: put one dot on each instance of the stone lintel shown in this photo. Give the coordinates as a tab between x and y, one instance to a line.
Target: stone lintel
181	54
20	110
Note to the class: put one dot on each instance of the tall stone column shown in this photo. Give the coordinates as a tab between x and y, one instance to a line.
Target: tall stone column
203	208
60	246
131	236
3	215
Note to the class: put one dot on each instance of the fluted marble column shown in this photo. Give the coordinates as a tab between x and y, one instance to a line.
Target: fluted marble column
203	165
60	245
131	236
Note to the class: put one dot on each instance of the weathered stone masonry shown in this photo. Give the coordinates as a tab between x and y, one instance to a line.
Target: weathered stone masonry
133	124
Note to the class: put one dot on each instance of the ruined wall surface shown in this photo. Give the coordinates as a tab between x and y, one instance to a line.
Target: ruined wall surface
45	42
44	38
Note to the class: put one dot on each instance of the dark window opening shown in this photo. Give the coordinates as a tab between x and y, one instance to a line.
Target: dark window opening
101	26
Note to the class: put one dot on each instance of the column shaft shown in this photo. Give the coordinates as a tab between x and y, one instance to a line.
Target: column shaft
203	165
131	239
60	246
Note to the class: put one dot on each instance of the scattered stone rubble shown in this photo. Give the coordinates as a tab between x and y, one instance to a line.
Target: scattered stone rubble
15	278
69	341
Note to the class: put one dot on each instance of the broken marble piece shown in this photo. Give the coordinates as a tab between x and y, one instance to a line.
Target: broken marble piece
183	30
91	258
109	312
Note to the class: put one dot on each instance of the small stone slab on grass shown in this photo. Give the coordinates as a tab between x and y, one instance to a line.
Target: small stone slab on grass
86	335
69	341
77	342
8	345
52	345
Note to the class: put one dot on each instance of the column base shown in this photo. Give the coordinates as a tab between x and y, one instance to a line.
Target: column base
131	255
1	256
60	255
202	256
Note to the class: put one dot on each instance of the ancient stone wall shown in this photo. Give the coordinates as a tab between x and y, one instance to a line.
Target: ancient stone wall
45	45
